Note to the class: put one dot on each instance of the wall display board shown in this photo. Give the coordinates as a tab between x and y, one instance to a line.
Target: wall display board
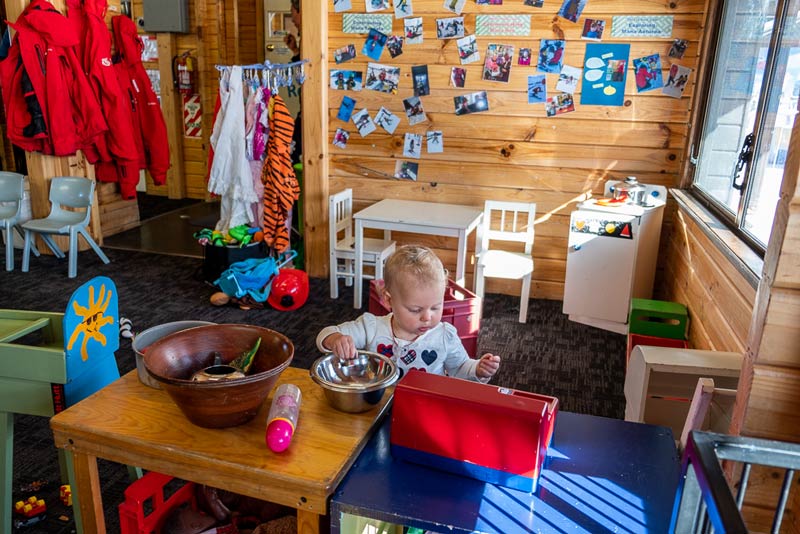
516	89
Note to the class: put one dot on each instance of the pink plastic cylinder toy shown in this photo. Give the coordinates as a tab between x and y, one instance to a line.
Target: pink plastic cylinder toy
282	419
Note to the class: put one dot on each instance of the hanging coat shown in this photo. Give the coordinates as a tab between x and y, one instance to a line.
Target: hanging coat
50	106
94	52
230	176
281	189
150	138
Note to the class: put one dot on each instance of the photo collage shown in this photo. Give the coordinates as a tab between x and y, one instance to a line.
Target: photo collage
477	39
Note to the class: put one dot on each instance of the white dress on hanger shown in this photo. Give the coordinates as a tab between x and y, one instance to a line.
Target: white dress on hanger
231	177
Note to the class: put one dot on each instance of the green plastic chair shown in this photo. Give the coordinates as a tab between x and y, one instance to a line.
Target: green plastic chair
12	189
65	192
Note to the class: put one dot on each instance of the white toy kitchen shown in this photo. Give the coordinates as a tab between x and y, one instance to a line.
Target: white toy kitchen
612	253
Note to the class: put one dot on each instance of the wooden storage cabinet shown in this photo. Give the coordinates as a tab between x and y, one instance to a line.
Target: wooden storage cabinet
660	382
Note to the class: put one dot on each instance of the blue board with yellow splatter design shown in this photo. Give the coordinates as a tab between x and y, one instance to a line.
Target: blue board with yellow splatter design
91	337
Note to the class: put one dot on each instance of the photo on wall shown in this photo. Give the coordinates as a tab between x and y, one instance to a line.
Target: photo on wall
340	138
376	5
346	109
559	104
414	111
458	76
395	45
345	53
647	71
537	88
374	43
387	120
364	123
678	48
435	141
568	79
456	6
471	103
412	145
403	9
406	170
468	50
676	81
382	78
349	80
342	5
413	30
593	29
497	66
419	76
524	57
572	9
533	3
450	28
551	55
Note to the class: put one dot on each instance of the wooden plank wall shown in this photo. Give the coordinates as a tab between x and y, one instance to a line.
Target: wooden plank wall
695	273
512	151
202	43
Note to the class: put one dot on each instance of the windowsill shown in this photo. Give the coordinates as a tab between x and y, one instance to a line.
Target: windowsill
741	256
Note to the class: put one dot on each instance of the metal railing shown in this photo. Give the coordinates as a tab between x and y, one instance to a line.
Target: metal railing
704	502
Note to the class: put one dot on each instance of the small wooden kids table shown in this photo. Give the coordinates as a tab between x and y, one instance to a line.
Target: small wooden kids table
130	423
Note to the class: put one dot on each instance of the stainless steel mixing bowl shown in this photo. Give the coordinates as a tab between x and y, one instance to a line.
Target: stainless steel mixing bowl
354	386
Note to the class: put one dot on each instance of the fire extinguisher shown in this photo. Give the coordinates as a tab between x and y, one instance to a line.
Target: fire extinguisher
183	73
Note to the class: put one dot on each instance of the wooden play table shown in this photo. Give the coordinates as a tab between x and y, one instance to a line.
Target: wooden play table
130	423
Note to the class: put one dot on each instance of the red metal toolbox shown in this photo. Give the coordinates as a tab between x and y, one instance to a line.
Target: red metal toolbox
490	433
462	309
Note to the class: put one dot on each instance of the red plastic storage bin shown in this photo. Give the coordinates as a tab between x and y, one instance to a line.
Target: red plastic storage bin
147	493
486	432
653	341
462	309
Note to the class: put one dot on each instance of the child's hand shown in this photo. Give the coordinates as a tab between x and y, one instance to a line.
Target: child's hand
341	345
487	366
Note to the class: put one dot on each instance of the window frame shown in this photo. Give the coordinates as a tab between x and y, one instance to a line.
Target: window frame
709	50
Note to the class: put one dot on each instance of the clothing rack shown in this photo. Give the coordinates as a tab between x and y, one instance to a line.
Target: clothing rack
267	65
274	75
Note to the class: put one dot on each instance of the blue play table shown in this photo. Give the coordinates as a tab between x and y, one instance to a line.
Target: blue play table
601	475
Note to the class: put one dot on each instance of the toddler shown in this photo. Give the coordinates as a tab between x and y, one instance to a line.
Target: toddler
413	334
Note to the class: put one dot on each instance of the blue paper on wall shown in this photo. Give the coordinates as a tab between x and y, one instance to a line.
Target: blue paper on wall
604	73
346	109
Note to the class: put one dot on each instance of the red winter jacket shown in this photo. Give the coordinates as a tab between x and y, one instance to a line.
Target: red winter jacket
151	141
88	19
50	106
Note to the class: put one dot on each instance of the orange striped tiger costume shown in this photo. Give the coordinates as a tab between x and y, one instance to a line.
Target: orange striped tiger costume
280	183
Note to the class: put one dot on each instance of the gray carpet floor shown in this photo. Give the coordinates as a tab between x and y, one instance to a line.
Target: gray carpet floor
581	365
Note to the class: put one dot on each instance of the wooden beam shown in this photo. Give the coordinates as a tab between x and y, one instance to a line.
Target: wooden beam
314	104
172	108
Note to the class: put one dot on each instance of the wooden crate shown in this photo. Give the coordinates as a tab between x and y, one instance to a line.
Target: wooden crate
660	382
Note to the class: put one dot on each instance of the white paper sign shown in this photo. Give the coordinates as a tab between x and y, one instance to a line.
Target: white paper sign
363	23
659	26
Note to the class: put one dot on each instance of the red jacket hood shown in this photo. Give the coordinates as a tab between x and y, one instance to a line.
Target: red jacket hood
42	17
126	37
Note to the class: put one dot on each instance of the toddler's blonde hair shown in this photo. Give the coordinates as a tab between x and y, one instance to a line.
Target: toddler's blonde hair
418	263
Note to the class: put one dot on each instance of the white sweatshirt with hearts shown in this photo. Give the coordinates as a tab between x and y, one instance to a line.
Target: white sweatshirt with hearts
439	350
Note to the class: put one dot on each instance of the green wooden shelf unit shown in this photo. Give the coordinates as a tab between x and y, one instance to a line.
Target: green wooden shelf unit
50	361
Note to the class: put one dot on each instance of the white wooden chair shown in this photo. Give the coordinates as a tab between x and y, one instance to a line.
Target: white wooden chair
342	243
507	221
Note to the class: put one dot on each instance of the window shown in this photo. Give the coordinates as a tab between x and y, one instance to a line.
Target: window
751	106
